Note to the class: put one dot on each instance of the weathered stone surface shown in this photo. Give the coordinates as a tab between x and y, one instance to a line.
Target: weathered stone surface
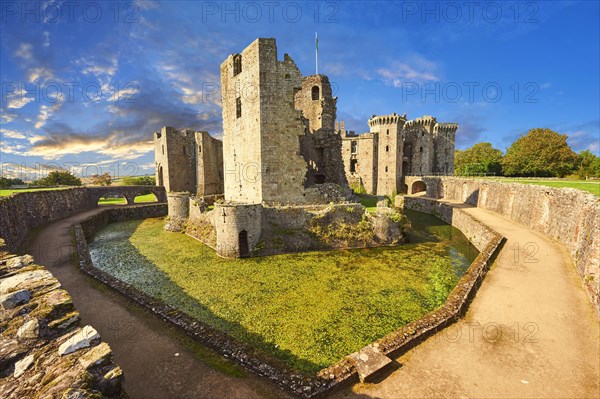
22	365
13	299
29	330
19	261
24	280
81	339
369	360
96	356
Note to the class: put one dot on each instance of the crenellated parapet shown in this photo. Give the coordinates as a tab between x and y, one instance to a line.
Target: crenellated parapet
378	120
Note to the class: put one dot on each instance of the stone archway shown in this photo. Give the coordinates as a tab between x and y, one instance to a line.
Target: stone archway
418	186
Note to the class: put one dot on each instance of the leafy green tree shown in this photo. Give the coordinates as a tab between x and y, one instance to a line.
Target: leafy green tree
59	178
6	182
482	158
139	181
588	165
541	152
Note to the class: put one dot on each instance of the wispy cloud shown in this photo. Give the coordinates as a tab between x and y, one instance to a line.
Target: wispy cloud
415	69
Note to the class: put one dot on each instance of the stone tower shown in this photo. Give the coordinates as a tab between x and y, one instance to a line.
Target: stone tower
317	103
389	160
261	127
174	154
443	142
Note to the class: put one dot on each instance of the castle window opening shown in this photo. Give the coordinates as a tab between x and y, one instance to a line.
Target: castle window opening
386	168
387	148
420	149
243	243
199	149
387	131
184	152
315	93
237	64
353	163
319	179
163	149
238	107
353	147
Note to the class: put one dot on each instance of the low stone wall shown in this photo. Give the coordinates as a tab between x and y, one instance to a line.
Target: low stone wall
44	351
567	215
93	223
24	211
486	240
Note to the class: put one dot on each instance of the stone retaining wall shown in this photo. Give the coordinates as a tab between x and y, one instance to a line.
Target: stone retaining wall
567	215
45	353
24	211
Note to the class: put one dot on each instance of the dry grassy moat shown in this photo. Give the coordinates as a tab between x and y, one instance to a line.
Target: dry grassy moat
307	309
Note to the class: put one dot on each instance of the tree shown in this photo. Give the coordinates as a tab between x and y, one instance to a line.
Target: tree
541	152
6	182
588	165
59	178
482	158
102	180
139	181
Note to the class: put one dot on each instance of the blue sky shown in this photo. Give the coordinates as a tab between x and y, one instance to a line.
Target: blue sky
85	84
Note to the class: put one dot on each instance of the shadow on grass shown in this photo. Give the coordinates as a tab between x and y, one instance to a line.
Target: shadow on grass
172	294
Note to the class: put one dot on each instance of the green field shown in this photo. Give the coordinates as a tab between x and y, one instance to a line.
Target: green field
368	201
122	201
589	186
4	193
308	309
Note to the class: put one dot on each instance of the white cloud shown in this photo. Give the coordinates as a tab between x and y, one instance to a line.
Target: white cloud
18	99
46	111
12	134
40	74
25	52
91	66
415	69
46	42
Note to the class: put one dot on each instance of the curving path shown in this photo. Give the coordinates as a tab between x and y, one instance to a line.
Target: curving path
158	361
529	333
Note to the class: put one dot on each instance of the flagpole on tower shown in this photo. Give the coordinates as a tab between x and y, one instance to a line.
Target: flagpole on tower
316	53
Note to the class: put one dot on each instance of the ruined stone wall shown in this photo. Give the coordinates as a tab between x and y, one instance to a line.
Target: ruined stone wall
322	152
209	152
45	351
175	158
365	157
569	216
316	102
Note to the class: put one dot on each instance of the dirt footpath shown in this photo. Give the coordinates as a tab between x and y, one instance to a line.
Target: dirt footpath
529	333
157	360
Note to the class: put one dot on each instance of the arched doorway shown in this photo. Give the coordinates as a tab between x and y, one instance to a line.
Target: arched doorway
418	187
243	242
160	176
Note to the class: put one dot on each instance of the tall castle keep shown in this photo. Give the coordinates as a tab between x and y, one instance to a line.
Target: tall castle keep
378	161
281	146
278	129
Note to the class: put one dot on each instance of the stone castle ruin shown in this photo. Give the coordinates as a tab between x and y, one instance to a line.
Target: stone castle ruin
284	164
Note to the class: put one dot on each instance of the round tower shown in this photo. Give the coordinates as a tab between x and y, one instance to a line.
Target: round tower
238	229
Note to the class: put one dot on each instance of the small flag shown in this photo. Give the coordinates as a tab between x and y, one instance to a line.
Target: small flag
316	42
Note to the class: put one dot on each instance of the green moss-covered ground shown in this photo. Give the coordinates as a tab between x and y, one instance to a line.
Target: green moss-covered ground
308	309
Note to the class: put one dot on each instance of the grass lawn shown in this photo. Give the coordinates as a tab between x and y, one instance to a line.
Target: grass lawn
368	201
122	201
309	309
4	193
586	185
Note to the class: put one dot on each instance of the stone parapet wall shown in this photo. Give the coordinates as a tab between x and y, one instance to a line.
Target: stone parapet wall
567	215
45	352
24	211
